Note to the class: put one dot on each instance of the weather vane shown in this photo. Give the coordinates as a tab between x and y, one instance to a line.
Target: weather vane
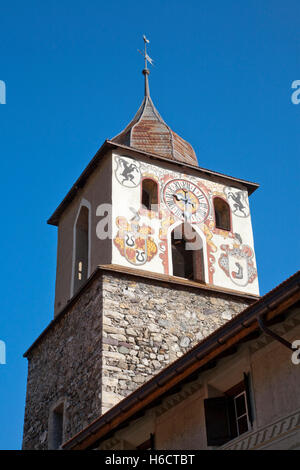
144	54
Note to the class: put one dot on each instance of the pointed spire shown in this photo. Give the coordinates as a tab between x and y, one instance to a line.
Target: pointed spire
146	72
148	131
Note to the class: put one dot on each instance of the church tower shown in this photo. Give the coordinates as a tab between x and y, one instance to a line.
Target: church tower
154	253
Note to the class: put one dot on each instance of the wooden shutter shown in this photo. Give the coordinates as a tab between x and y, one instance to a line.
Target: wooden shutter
217	420
152	441
198	265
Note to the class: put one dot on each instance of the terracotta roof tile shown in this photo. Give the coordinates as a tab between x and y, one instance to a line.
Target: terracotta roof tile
148	132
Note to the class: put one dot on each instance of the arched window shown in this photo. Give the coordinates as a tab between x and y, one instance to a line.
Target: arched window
222	214
81	257
149	194
187	253
56	427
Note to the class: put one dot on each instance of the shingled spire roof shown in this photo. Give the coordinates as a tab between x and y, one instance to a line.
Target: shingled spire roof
148	132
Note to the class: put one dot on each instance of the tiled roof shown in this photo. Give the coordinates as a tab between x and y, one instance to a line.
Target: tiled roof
148	132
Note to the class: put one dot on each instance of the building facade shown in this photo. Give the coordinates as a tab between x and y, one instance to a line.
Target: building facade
154	254
236	389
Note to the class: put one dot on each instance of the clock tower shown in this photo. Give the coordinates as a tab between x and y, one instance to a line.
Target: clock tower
158	186
154	253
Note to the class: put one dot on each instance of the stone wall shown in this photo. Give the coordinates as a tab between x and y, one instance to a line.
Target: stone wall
66	365
119	332
148	324
178	420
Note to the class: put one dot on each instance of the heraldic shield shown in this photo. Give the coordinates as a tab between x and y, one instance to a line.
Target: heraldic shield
237	263
134	241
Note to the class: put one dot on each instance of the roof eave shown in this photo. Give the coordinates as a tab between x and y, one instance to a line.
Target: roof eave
79	183
284	295
251	186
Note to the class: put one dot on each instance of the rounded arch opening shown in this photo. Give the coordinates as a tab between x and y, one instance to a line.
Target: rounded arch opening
81	247
187	252
149	194
222	214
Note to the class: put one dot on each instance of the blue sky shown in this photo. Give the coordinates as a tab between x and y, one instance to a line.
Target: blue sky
222	80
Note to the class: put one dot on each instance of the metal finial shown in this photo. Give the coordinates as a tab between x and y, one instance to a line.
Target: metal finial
146	70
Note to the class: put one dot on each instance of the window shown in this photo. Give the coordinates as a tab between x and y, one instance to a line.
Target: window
56	427
241	413
222	214
81	249
149	194
230	415
187	253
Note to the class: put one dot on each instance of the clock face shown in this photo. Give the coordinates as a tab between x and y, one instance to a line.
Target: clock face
186	201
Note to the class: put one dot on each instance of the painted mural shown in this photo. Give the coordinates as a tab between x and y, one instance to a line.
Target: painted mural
128	172
134	241
142	237
237	263
167	220
238	201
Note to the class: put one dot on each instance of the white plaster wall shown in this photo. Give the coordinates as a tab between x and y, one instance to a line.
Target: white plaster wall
126	198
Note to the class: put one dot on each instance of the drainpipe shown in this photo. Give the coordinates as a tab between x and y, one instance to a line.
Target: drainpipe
269	332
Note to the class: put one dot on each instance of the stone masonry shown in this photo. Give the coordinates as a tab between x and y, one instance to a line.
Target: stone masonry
147	325
65	364
120	331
